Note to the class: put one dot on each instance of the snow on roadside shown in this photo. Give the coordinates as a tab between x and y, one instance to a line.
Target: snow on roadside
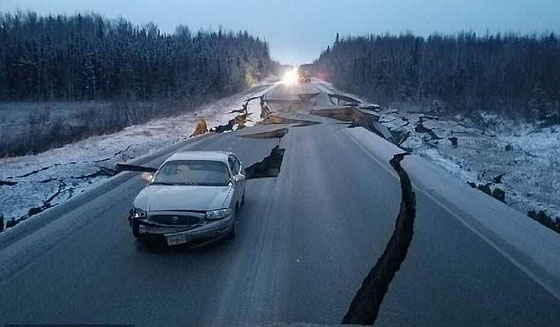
527	157
487	147
54	176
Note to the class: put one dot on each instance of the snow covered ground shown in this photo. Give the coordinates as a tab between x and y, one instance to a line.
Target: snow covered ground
526	157
28	184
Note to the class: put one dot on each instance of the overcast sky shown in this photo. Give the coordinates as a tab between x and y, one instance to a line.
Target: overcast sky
298	31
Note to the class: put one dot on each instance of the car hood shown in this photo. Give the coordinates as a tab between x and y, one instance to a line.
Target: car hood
183	197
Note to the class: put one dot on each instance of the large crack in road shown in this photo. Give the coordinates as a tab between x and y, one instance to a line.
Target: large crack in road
367	301
268	167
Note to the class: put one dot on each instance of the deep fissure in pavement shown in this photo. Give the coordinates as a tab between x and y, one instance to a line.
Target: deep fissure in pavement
268	167
367	301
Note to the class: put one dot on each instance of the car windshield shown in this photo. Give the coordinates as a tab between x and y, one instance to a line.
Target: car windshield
193	172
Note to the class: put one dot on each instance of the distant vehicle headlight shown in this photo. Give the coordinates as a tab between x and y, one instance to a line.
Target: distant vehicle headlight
138	213
290	77
218	214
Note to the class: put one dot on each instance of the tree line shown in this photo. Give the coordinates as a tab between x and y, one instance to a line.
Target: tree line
88	57
511	74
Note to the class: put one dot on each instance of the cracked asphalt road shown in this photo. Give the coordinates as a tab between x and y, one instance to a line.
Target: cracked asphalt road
306	241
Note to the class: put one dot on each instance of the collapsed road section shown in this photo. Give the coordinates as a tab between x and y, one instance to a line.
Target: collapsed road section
273	119
367	301
268	167
276	133
358	118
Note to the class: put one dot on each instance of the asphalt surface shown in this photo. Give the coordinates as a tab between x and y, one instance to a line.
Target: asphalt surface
306	240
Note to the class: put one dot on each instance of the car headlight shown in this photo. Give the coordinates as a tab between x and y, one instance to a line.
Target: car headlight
138	213
218	214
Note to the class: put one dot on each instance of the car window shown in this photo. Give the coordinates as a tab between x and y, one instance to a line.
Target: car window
237	165
193	172
234	165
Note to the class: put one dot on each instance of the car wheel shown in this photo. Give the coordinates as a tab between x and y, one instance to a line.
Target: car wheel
136	228
232	232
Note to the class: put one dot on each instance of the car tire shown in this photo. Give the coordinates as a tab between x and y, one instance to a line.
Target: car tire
232	231
136	228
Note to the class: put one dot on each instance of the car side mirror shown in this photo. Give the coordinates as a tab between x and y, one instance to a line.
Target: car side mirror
147	177
238	178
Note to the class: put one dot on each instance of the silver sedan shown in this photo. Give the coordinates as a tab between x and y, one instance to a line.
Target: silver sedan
193	196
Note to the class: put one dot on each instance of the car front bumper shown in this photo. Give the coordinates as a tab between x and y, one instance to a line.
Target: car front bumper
209	230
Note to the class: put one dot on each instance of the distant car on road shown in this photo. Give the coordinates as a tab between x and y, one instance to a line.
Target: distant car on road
193	196
304	77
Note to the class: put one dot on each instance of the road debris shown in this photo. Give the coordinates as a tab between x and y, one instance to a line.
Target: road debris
454	141
496	193
201	128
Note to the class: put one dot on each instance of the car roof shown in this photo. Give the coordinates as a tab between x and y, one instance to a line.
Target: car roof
200	155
